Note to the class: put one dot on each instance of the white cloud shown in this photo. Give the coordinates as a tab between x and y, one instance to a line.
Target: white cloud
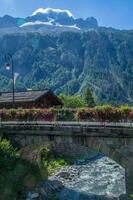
47	10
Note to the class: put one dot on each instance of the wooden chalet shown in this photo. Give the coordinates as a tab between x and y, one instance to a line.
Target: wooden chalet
30	99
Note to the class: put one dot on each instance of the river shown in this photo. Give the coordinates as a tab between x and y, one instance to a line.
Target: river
99	178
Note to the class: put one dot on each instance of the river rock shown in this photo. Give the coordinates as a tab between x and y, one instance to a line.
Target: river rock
32	196
97	179
51	187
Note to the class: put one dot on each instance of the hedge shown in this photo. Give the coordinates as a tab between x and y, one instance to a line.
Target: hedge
100	113
26	114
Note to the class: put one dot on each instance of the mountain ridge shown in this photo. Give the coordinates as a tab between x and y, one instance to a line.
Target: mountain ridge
53	49
48	17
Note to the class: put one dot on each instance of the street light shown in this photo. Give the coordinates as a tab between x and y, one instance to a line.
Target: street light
9	66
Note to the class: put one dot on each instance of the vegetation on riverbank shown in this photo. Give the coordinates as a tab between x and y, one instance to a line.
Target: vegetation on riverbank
105	113
18	175
52	162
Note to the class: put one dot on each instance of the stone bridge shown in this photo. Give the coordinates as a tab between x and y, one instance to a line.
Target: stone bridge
78	140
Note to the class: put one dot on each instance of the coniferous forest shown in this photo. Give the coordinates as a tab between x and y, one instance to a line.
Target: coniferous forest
70	61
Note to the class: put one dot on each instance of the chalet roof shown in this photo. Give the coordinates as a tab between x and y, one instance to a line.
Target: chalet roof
22	96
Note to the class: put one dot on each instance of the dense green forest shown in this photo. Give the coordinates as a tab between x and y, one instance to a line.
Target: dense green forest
68	62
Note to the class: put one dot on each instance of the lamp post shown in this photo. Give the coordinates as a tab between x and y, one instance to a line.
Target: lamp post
10	66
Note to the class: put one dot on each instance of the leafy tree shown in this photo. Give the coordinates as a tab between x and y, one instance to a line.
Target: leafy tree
72	101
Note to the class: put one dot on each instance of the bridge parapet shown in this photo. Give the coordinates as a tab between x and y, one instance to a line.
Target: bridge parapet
66	129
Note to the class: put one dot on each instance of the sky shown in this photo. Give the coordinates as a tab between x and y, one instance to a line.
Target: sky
109	13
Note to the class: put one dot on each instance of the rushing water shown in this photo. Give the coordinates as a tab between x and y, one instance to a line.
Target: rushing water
97	179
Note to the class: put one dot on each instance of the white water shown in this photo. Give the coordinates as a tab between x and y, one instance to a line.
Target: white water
97	179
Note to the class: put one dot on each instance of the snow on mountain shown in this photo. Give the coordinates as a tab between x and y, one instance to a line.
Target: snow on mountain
48	11
49	18
48	24
72	26
36	23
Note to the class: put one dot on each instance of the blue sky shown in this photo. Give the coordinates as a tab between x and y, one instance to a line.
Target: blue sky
110	13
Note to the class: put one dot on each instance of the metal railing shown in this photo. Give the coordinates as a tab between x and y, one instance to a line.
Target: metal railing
67	123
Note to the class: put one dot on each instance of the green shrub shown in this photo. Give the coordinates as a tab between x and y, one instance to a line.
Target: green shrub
51	162
16	174
125	111
8	155
54	164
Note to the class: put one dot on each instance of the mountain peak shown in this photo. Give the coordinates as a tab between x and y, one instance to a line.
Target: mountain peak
54	11
49	19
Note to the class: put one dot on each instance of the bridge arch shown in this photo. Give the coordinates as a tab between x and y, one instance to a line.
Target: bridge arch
116	143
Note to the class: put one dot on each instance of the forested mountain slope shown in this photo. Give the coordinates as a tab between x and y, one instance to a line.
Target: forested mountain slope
67	62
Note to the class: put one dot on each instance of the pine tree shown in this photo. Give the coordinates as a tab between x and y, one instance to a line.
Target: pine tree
88	98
